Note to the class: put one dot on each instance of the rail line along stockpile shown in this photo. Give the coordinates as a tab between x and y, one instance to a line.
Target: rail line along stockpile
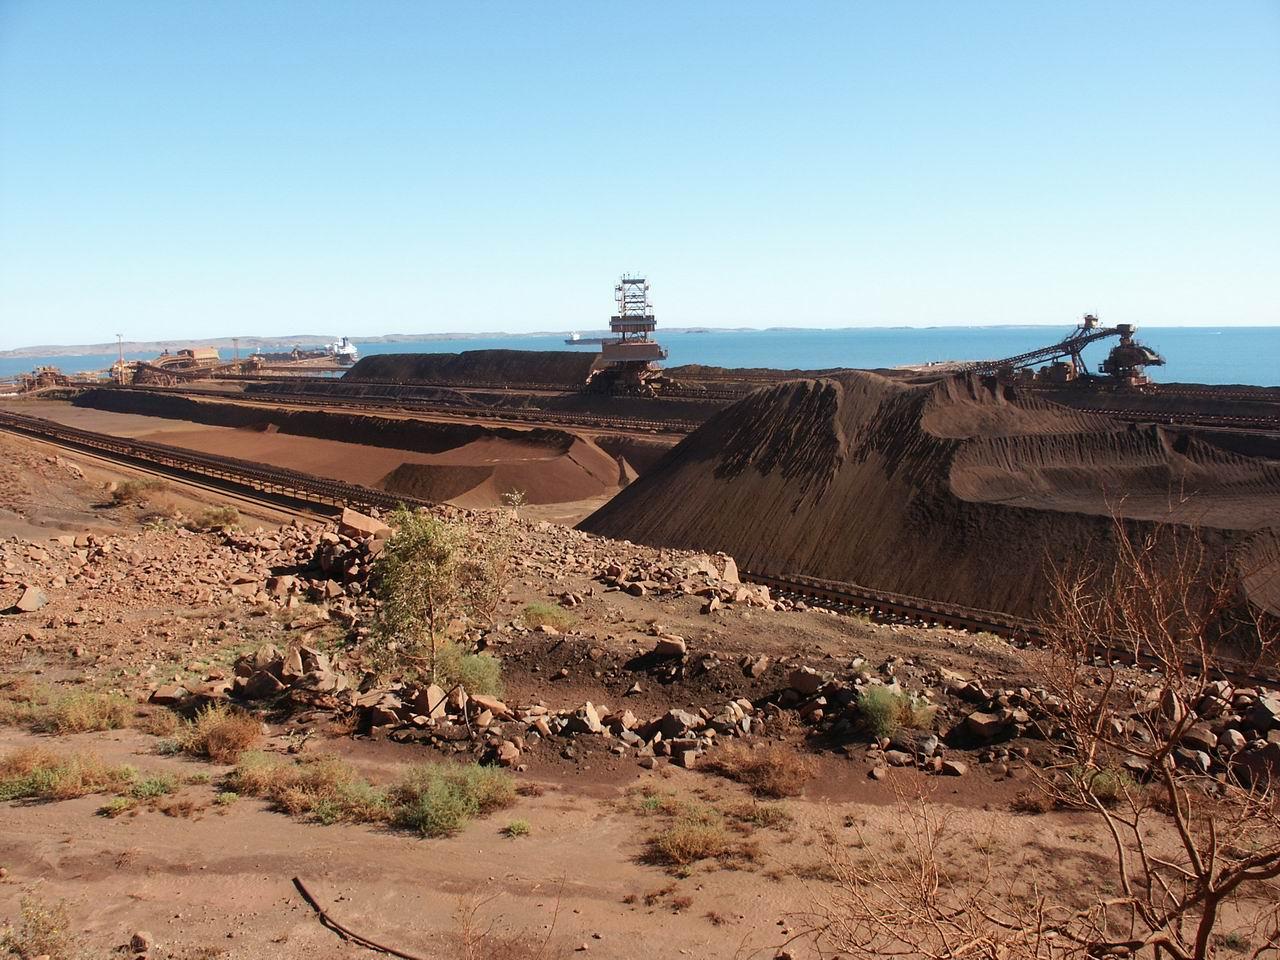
618	637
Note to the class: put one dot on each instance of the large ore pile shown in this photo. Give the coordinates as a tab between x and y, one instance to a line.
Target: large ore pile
954	491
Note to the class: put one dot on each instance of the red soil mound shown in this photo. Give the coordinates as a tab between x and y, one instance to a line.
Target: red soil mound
480	474
953	491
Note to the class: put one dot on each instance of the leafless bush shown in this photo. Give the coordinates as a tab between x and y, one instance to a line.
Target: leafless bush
1190	852
1193	859
477	938
768	771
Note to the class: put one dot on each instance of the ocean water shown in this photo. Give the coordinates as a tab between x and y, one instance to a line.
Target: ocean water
1247	355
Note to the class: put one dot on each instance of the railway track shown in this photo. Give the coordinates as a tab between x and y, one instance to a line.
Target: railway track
235	475
1254	395
1182	418
840	595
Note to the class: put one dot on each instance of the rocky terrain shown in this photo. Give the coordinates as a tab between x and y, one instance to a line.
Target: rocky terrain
643	690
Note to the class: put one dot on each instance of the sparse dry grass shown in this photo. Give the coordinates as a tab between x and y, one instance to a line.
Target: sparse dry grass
1031	801
43	930
433	799
220	733
540	614
768	771
159	722
83	712
140	490
686	842
322	787
45	710
753	813
695	830
215	518
37	773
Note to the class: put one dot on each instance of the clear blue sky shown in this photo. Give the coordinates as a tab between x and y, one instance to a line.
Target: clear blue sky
180	168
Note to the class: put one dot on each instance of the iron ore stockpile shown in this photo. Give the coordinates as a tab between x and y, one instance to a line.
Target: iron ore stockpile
960	490
497	367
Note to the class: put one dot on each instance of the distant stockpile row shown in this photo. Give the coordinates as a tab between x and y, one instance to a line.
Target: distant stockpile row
562	368
953	491
471	465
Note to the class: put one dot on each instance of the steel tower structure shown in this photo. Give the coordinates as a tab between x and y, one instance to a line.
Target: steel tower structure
634	323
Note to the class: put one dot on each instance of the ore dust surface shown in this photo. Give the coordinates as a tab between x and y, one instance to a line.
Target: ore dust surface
215	881
559	486
958	491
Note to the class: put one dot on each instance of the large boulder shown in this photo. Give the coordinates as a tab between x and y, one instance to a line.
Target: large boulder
360	526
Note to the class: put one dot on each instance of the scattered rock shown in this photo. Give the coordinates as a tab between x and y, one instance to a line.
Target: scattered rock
168	695
32	599
670	646
360	526
141	941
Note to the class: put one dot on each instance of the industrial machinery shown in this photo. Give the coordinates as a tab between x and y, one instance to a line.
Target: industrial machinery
629	360
42	378
342	352
1124	365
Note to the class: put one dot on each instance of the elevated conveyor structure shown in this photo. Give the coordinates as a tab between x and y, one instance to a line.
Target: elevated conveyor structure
1124	363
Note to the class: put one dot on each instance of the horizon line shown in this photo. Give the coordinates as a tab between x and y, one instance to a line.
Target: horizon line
489	334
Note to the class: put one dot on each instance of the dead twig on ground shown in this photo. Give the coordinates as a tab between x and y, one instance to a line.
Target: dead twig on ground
346	932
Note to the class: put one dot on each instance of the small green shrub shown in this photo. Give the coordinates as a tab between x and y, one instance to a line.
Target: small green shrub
883	712
117	806
226	798
437	799
154	786
879	710
517	828
477	672
431	573
434	799
1108	786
